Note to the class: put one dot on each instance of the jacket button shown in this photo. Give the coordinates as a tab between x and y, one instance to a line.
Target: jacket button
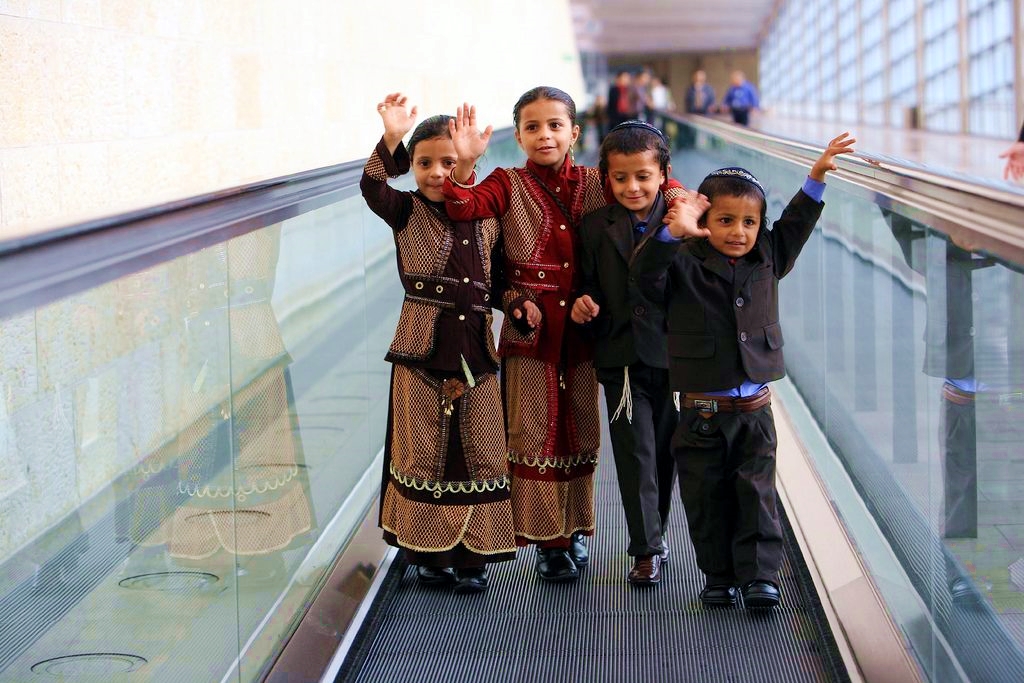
743	336
561	227
562	302
517	271
462	317
465	241
565	265
465	279
540	274
705	427
439	289
419	285
639	311
739	302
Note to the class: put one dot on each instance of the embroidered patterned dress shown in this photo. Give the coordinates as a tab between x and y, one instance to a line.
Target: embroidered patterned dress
445	496
548	380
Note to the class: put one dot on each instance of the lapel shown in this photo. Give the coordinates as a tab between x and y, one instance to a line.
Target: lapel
620	231
713	261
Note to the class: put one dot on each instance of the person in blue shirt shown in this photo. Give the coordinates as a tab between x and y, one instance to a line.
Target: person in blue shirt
740	98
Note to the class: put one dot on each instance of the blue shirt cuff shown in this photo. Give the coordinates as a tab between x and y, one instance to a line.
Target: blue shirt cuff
814	189
663	235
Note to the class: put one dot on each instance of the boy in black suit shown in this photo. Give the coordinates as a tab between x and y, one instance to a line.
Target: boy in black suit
630	354
715	266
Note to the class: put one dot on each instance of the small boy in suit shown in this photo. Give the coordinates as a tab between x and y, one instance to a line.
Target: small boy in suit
715	266
630	353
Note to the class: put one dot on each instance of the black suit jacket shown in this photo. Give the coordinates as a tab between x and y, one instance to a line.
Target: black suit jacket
629	327
723	319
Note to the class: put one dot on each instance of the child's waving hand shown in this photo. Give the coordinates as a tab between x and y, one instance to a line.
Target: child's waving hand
684	214
841	144
469	142
397	119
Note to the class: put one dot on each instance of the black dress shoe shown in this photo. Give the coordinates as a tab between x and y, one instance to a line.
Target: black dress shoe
646	570
720	595
435	576
555	565
471	580
761	595
578	550
964	592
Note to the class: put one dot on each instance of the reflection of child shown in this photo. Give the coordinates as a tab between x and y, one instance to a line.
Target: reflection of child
445	497
720	289
630	354
548	381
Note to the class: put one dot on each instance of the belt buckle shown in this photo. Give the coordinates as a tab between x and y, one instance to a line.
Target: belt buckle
705	405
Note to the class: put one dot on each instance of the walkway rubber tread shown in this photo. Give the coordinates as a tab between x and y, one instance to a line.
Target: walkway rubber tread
599	629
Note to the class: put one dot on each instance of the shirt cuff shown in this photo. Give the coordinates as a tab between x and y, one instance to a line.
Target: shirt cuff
814	189
663	235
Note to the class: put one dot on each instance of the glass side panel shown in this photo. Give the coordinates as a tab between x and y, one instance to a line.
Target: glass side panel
176	447
908	349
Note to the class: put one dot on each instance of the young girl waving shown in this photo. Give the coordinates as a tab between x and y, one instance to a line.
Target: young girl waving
548	381
445	494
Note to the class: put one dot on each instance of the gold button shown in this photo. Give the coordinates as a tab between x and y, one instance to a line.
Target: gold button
462	317
419	285
562	302
558	189
565	265
517	271
439	289
540	274
465	279
561	227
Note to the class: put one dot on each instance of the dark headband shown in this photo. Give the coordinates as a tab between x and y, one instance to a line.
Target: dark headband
643	125
741	174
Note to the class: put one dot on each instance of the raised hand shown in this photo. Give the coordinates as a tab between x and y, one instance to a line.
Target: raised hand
684	213
469	142
1014	156
397	119
584	310
841	144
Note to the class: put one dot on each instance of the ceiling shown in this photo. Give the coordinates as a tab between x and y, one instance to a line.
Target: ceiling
616	27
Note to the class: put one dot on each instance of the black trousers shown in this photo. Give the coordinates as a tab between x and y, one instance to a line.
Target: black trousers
958	438
642	452
726	466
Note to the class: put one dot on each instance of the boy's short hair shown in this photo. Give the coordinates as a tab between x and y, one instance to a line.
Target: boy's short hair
734	181
634	137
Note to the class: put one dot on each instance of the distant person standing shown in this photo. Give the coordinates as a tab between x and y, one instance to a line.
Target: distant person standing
622	104
740	98
642	90
700	96
1014	156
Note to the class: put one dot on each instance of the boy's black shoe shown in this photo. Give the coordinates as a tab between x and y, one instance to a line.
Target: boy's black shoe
435	576
578	550
471	580
761	595
721	595
555	565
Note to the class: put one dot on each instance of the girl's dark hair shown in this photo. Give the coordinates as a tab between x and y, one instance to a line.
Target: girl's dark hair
544	92
733	186
434	127
633	138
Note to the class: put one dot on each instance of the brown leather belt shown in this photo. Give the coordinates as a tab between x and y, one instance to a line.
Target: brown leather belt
726	404
953	394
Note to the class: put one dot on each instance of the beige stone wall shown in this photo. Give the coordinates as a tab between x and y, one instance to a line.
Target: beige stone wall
109	105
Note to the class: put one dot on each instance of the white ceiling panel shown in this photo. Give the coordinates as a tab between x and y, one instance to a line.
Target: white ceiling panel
614	27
